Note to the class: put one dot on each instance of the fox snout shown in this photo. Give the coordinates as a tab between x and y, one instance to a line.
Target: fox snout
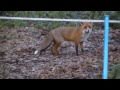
87	31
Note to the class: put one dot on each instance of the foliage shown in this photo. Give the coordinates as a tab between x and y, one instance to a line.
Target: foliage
55	14
115	72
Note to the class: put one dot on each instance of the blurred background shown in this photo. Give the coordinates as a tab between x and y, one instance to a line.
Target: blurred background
114	15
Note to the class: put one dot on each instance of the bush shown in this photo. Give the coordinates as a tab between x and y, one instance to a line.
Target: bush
55	14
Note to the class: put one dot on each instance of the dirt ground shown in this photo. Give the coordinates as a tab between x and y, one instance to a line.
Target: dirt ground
17	60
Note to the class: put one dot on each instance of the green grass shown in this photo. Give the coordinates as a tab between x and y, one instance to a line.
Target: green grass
54	14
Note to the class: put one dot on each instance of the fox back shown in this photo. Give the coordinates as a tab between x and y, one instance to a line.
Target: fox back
61	34
73	33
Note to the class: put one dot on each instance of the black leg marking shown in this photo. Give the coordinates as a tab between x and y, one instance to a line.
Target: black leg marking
81	45
76	47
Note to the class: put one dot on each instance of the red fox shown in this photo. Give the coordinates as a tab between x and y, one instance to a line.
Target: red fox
75	34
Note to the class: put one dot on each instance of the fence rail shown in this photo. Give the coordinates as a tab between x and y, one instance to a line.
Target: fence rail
56	19
106	33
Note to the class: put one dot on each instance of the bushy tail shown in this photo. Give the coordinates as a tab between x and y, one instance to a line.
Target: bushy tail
45	44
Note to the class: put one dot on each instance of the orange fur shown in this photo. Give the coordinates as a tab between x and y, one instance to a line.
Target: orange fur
61	34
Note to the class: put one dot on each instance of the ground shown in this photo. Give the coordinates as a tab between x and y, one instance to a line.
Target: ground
17	60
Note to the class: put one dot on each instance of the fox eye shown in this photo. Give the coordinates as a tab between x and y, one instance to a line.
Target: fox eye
90	26
85	27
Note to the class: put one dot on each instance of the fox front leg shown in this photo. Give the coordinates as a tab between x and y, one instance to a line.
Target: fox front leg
76	48
81	46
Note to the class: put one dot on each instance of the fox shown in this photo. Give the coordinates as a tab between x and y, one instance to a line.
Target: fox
59	35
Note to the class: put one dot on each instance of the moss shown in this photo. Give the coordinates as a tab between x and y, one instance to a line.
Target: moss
115	72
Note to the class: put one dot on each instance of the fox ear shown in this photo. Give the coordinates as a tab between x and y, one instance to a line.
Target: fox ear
81	23
91	23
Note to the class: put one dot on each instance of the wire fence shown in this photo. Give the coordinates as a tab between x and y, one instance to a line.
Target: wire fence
56	19
106	22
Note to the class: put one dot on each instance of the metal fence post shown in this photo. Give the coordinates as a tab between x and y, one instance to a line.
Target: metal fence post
106	39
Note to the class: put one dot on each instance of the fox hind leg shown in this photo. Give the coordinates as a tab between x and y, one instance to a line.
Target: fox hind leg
55	48
57	43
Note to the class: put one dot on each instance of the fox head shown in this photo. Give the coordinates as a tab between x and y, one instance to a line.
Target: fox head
87	27
86	30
